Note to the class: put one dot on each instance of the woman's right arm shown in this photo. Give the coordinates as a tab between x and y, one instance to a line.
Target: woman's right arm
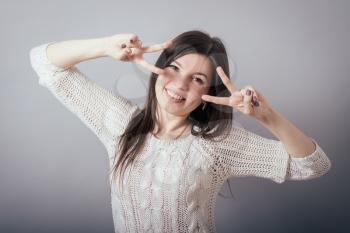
104	113
65	54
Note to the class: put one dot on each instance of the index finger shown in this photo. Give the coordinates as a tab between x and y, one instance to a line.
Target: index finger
157	47
149	66
216	99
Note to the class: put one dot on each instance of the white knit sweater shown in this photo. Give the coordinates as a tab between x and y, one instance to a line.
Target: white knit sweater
174	184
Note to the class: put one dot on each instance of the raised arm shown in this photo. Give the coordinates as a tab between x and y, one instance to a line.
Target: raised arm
294	156
244	153
104	113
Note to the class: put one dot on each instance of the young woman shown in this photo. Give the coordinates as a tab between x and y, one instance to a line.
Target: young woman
181	147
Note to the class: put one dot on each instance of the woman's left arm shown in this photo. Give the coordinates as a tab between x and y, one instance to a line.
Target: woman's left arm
307	159
296	143
243	153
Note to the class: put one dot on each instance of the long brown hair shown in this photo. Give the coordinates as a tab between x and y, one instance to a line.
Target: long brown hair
215	120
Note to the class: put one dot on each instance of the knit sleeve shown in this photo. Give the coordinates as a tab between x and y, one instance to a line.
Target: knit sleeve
244	153
102	112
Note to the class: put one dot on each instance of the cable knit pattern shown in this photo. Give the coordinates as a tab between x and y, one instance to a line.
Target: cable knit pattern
173	185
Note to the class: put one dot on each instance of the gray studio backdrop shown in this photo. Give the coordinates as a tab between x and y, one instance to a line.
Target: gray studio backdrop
53	171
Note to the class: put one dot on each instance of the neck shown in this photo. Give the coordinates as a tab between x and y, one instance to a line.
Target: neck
170	126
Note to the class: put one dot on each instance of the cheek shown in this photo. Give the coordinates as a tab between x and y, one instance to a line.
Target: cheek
196	94
162	81
158	89
199	91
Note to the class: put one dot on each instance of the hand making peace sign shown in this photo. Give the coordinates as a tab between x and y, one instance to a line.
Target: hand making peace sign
127	47
247	100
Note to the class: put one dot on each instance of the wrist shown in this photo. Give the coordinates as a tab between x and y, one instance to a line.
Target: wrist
274	122
97	47
270	117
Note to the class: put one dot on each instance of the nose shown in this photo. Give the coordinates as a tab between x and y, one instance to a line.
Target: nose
180	82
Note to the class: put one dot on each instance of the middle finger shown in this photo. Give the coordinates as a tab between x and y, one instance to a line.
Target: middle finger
157	47
230	86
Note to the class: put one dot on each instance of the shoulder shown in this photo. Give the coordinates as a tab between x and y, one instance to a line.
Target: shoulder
232	138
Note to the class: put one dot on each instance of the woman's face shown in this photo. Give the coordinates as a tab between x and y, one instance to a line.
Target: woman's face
185	80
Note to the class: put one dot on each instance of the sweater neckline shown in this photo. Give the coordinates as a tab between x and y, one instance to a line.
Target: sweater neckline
167	141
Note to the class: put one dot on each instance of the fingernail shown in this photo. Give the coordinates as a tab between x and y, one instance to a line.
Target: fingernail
254	98
123	45
248	92
256	103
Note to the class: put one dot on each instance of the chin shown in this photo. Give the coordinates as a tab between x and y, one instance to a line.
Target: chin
175	112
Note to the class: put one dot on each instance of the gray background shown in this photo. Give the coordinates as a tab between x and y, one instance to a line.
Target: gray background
53	171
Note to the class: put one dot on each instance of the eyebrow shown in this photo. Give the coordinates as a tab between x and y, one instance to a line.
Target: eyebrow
178	63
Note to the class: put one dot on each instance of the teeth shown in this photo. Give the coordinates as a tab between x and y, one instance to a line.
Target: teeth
175	96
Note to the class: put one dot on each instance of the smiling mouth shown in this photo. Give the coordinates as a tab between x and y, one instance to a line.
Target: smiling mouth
174	97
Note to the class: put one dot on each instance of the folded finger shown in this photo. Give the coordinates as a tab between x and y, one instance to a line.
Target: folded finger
132	42
255	97
133	38
236	98
248	95
136	43
139	43
128	50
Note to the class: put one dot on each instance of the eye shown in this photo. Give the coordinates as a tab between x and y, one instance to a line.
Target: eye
174	67
199	80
